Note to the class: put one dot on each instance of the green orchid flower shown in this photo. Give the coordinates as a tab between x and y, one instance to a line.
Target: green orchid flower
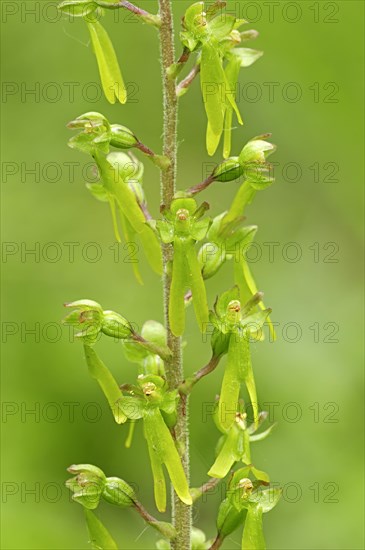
234	446
99	133
126	164
256	173
215	38
90	484
87	485
120	182
237	58
245	503
184	227
256	500
111	324
251	164
90	321
231	241
238	324
148	361
152	402
110	74
91	313
86	318
224	242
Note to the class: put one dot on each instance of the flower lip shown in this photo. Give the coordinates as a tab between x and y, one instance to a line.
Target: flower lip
149	388
182	214
245	484
234	305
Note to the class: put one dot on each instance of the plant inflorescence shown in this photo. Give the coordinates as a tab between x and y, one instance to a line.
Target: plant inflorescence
186	247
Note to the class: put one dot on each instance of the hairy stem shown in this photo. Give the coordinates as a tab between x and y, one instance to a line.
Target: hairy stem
181	513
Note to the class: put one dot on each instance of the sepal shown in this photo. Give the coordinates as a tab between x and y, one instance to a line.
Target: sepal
87	485
77	8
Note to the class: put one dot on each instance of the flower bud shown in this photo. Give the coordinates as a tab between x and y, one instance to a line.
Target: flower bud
228	170
154	332
118	492
253	160
153	364
116	326
122	137
211	257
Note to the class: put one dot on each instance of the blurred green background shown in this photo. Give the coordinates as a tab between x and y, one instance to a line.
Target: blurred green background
312	377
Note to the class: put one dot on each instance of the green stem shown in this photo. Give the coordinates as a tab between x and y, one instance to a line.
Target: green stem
217	543
200	186
205	488
187	386
165	529
163	352
181	513
182	87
